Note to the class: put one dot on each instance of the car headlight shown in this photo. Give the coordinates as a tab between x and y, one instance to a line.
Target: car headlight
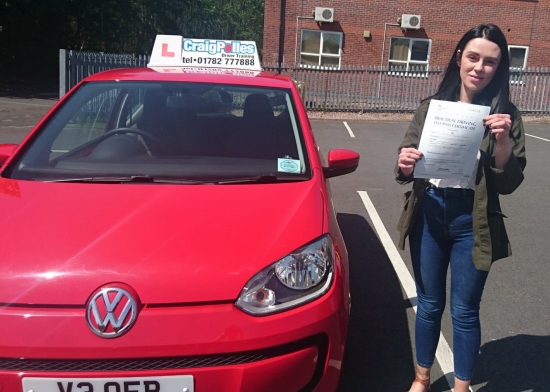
300	277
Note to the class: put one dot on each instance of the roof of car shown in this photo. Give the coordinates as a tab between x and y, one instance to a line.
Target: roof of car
182	74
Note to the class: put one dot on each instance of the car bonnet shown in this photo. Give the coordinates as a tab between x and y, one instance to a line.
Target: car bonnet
170	243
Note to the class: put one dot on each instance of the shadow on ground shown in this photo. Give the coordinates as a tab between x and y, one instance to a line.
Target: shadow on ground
514	364
378	350
517	363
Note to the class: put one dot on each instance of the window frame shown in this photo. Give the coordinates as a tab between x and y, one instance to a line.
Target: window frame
407	63
320	53
519	71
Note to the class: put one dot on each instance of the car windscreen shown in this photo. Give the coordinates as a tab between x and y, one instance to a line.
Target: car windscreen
196	132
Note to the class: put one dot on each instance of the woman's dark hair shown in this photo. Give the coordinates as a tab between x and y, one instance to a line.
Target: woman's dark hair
497	93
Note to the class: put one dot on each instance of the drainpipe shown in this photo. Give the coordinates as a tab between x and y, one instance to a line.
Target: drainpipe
282	35
382	59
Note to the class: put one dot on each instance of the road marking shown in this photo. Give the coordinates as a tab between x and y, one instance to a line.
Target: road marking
26	104
349	129
15	126
536	137
444	354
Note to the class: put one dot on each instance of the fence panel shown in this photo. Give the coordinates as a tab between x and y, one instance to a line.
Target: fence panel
350	88
83	64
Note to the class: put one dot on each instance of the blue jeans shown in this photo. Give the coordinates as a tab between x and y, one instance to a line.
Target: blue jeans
442	235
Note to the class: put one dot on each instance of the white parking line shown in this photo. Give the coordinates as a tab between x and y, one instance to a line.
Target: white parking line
349	129
26	104
536	137
17	127
444	354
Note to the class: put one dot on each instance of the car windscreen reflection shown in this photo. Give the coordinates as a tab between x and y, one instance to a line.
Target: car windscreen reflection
162	132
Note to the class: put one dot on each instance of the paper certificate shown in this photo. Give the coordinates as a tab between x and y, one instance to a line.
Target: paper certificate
450	140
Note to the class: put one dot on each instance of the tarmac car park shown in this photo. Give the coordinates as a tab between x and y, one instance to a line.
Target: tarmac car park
171	229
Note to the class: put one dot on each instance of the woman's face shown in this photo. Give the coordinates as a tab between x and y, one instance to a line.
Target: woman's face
478	64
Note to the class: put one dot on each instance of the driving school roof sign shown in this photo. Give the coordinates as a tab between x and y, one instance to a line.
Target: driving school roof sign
176	51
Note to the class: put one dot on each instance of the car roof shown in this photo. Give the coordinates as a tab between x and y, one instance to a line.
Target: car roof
180	74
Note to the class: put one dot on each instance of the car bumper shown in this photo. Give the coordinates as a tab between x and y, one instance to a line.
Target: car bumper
223	348
297	370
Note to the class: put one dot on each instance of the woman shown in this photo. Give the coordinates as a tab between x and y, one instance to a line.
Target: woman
459	223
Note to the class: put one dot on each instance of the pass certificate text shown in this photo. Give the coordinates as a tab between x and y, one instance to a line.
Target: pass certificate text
450	140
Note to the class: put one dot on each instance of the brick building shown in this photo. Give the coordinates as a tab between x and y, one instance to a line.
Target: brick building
371	32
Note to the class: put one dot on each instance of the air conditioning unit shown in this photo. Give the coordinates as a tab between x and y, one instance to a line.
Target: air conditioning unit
324	14
410	21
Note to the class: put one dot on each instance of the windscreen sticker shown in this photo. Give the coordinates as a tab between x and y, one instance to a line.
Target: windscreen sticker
288	165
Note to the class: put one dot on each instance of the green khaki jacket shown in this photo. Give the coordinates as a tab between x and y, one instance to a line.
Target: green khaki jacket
490	238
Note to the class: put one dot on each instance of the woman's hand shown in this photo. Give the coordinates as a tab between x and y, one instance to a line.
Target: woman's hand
407	159
500	125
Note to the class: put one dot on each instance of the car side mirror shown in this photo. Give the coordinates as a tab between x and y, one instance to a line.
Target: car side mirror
341	162
5	151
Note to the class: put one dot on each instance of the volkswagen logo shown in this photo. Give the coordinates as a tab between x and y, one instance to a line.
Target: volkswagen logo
111	312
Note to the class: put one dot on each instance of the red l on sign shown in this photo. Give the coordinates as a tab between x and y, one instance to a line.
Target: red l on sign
165	52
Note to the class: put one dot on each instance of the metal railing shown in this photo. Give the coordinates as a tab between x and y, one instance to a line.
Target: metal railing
370	88
349	88
530	89
75	66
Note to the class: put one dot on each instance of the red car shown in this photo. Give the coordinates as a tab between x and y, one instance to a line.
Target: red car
171	229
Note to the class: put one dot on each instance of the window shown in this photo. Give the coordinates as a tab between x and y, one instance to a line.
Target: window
205	132
518	61
409	54
321	48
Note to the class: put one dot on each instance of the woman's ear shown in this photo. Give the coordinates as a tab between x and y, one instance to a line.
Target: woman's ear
458	57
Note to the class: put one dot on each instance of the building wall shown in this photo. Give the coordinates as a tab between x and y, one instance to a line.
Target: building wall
524	22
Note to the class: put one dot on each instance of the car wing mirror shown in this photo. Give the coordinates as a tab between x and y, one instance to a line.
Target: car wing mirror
341	162
5	151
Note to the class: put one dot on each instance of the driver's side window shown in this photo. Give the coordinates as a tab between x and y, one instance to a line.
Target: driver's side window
87	123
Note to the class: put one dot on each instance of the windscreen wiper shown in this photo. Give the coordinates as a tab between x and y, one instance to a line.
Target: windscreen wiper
261	179
127	179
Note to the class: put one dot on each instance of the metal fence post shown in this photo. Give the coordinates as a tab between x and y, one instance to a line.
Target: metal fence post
63	72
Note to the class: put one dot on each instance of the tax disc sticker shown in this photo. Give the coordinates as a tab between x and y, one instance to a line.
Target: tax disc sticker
288	165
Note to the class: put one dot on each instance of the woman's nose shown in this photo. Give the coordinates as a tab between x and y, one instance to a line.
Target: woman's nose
479	66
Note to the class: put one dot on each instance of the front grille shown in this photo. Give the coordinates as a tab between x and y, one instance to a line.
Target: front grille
103	365
141	364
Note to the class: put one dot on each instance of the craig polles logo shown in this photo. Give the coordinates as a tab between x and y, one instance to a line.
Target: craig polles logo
219	46
111	311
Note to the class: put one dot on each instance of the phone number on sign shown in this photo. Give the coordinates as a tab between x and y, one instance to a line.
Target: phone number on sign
218	61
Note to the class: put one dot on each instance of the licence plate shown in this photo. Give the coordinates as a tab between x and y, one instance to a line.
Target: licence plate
126	384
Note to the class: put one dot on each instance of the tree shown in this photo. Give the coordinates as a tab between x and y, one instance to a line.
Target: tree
35	30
